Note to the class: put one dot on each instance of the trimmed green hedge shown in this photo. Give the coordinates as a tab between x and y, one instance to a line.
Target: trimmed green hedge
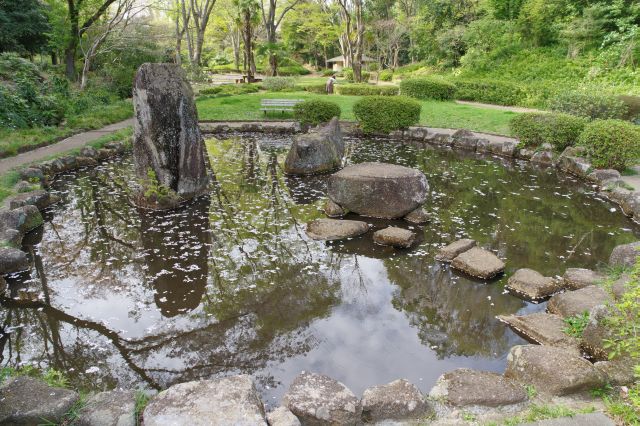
348	75
383	114
611	144
316	111
489	91
364	89
319	88
591	105
560	130
427	88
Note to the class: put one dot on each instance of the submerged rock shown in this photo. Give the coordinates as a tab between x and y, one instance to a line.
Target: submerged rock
625	255
281	416
231	400
394	236
478	263
320	400
167	138
318	151
398	400
378	189
418	216
577	278
450	252
552	370
333	229
543	329
532	285
13	260
25	400
113	408
577	302
470	388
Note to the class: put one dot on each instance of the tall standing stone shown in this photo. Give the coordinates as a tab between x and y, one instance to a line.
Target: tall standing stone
167	138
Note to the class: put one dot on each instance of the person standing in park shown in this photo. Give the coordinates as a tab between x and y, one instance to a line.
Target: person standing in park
330	83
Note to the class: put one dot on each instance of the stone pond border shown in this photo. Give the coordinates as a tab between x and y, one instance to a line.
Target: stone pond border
459	391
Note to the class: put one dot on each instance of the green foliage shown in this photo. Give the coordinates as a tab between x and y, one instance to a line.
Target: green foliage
23	26
542	412
560	130
590	105
576	324
210	90
347	73
314	112
427	88
364	89
506	9
386	75
50	376
279	84
319	88
383	114
142	400
633	107
613	144
153	189
625	410
489	91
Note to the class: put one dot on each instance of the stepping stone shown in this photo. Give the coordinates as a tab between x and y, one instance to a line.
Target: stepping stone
625	255
543	329
333	229
465	387
478	263
577	302
320	400
398	400
450	252
552	370
113	408
281	416
25	400
418	216
393	236
331	209
589	419
577	278
532	285
231	400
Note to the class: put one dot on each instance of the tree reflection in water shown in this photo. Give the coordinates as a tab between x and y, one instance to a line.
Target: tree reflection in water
229	283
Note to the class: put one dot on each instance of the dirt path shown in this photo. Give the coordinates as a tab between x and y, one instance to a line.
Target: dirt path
76	141
498	107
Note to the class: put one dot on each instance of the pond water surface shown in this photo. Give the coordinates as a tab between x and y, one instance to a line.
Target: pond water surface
231	284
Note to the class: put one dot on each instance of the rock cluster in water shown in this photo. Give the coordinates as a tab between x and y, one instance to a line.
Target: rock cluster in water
474	261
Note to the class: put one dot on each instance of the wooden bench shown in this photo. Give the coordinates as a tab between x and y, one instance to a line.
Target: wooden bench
281	105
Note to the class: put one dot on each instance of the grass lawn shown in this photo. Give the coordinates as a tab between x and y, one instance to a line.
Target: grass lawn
434	113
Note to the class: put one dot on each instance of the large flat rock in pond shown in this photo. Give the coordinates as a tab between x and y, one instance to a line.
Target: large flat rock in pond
318	151
112	408
320	400
25	400
577	278
576	302
625	254
398	400
380	190
542	328
451	251
532	285
395	237
478	263
471	388
231	400
588	419
334	229
552	370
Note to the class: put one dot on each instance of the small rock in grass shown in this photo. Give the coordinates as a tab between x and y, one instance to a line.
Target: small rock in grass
532	284
577	278
619	371
398	400
332	229
448	253
478	263
394	236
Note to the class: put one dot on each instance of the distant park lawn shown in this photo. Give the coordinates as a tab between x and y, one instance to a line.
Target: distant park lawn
434	113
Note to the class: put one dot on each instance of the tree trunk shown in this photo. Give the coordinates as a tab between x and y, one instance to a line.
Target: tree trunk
359	44
249	66
70	62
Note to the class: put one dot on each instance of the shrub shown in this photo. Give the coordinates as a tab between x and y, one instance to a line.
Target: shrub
327	72
210	90
320	88
385	75
489	91
560	130
427	88
347	73
633	107
612	144
238	89
589	105
383	114
315	111
366	90
278	84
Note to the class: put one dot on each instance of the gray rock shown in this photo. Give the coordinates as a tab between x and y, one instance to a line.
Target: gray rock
620	286
590	419
319	151
25	400
631	205
378	189
543	158
281	416
394	236
571	162
441	139
543	329
625	255
619	372
39	198
32	174
596	333
577	278
3	286
482	145
451	251
525	154
331	209
104	153
417	133
167	138
470	388
231	400
465	140
503	148
552	370
398	400
118	147
418	216
478	263
577	302
89	151
86	161
602	176
23	219
532	284
24	186
113	408
11	237
13	260
333	229
320	400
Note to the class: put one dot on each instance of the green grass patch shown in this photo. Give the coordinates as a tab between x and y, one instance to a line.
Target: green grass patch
576	324
543	412
433	113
